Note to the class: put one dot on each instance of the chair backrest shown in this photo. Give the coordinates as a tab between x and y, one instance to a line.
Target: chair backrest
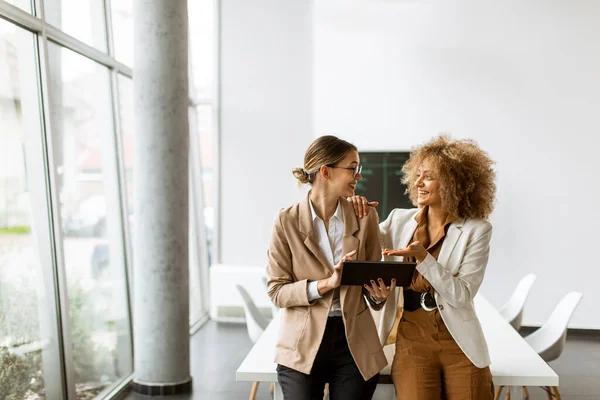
256	322
274	308
549	340
512	311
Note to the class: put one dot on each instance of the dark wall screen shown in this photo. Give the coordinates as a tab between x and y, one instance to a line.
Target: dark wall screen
382	173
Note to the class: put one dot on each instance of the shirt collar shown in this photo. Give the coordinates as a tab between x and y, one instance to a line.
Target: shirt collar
338	211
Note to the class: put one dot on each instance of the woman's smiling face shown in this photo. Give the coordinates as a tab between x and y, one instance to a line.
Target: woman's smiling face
428	186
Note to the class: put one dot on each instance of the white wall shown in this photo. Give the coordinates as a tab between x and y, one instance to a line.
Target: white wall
521	78
266	118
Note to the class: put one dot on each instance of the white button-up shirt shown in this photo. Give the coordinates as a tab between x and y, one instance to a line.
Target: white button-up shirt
330	244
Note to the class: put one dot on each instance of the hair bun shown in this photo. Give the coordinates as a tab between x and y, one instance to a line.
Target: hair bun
301	175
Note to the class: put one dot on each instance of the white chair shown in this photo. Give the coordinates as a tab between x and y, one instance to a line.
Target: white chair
256	324
512	311
274	308
549	340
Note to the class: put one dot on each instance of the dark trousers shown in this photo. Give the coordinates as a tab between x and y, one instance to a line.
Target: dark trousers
334	365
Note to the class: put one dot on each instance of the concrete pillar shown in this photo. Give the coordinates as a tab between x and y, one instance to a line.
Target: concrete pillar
160	226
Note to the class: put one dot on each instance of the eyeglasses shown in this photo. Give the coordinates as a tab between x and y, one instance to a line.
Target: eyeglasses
355	170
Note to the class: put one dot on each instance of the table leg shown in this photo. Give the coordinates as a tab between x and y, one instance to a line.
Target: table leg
277	393
516	393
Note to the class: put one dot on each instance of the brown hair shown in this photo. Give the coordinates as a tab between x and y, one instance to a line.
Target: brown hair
326	150
467	179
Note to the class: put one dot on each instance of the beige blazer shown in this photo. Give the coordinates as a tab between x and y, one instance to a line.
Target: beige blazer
455	276
294	258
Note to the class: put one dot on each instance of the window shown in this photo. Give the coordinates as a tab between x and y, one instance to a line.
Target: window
28	324
82	19
83	143
66	195
122	24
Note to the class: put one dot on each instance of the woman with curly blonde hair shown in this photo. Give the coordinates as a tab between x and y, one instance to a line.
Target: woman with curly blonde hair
441	352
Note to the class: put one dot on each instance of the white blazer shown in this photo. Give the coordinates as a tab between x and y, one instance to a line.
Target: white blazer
455	276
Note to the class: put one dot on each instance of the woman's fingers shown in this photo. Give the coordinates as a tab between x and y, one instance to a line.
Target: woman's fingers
376	287
371	292
355	200
383	289
391	252
365	206
379	290
361	205
349	256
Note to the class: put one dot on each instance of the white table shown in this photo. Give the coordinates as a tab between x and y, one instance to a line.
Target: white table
514	363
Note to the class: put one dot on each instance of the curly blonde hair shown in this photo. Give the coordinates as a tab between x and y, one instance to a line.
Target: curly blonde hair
467	179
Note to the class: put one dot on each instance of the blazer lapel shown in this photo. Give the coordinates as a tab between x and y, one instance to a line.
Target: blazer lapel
349	240
312	245
407	233
305	224
454	232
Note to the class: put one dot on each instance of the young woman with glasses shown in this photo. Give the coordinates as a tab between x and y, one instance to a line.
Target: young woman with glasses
327	332
441	352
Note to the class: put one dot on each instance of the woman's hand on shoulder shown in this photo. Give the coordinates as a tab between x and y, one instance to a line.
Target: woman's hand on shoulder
361	205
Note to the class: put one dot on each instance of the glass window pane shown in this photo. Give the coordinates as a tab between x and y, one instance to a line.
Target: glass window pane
22	4
201	16
204	119
82	19
195	268
85	161
29	363
122	23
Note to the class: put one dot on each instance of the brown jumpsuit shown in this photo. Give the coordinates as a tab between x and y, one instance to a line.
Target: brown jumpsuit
429	364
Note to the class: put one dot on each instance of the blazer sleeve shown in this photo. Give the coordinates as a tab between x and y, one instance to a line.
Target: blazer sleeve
460	289
284	290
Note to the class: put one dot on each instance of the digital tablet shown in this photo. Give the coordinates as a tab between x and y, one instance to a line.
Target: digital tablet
362	272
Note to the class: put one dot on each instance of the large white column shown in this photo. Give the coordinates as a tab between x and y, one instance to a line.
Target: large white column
160	234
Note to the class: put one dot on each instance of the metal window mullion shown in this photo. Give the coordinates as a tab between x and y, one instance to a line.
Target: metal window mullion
39	188
56	231
20	17
61	38
123	201
109	29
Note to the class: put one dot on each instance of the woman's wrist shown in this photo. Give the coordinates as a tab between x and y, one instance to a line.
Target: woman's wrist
324	286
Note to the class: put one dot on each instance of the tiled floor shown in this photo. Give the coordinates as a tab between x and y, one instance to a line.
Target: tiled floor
218	349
